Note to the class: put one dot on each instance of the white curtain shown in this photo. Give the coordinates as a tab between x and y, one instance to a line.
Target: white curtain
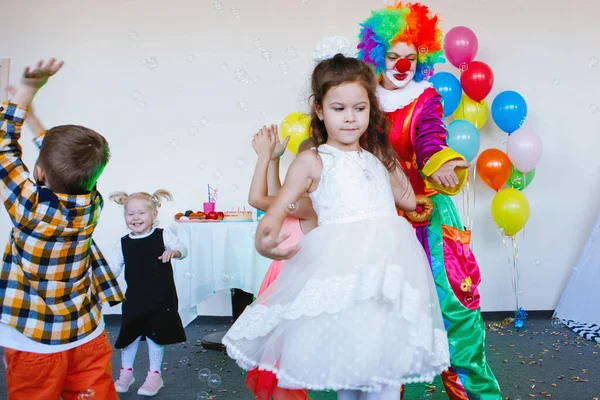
580	302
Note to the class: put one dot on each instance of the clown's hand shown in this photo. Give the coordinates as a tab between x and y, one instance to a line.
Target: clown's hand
445	175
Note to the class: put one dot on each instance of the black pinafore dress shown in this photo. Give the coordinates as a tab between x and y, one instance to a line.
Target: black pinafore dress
150	306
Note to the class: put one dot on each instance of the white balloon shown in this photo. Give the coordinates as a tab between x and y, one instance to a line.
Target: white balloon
524	149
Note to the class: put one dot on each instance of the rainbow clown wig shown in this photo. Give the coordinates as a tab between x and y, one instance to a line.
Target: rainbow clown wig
408	23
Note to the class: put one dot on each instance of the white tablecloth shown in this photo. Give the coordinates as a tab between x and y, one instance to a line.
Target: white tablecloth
221	255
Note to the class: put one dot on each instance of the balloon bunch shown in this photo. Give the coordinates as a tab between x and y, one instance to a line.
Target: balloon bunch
510	209
465	101
515	167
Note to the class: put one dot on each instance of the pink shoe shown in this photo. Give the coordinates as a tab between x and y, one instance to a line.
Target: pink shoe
125	381
152	384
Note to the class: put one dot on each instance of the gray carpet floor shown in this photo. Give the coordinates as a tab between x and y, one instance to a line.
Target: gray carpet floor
540	361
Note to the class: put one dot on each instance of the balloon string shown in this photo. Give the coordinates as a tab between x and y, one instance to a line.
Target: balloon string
473	208
474	186
505	247
468	201
524	184
464	207
517	273
513	265
477	117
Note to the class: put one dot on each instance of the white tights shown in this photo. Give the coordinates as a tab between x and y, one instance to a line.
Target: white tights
155	353
387	393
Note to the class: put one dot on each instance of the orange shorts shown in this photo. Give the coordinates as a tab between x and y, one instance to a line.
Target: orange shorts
84	369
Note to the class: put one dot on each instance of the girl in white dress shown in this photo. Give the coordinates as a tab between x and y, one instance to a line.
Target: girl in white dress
355	310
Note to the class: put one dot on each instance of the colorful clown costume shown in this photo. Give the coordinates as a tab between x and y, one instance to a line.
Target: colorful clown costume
418	135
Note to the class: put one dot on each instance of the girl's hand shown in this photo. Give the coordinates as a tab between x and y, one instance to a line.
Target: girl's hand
168	255
267	245
263	143
279	146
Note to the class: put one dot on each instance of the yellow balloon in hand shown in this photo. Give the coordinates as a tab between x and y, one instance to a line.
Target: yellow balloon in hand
510	210
297	126
472	111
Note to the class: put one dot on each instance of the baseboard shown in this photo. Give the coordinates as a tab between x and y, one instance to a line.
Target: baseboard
206	319
112	318
500	315
487	315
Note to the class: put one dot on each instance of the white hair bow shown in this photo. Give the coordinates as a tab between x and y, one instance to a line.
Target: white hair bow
329	46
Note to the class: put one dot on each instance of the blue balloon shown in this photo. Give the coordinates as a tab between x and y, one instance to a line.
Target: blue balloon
463	137
448	86
509	111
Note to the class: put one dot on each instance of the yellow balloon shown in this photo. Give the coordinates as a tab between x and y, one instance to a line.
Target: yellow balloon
472	111
297	126
510	210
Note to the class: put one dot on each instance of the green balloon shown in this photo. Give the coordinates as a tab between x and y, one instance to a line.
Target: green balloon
518	180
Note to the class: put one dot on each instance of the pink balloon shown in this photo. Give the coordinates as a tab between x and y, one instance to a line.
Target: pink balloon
460	46
524	149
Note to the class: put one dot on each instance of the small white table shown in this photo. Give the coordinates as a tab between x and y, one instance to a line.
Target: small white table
221	255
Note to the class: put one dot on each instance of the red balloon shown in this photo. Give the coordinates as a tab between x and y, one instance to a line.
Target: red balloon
477	80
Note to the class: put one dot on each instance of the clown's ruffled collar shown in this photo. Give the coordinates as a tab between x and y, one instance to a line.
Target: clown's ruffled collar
392	100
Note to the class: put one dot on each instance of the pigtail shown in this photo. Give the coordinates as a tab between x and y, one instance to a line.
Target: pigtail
159	196
119	197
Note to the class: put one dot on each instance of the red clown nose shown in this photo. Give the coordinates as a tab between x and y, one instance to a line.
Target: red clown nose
403	65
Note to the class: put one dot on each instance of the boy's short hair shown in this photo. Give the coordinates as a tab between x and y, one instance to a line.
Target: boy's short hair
72	158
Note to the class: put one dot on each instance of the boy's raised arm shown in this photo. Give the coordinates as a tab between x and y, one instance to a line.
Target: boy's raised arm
17	191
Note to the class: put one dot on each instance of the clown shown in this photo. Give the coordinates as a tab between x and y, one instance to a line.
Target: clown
402	43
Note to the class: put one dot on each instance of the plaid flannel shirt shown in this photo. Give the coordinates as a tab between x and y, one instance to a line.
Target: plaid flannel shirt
53	278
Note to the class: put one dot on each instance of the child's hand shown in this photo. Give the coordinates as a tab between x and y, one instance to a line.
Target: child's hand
268	246
279	146
168	255
263	142
37	77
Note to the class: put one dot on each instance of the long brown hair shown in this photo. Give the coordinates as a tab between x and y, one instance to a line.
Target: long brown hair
338	70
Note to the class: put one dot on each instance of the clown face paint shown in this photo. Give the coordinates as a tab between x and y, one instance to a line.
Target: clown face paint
401	64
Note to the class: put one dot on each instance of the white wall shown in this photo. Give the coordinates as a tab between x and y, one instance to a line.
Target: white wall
529	45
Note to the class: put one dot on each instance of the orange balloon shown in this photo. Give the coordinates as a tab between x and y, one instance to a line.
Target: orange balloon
493	167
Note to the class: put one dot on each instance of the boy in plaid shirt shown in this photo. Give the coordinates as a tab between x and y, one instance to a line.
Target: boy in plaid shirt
53	278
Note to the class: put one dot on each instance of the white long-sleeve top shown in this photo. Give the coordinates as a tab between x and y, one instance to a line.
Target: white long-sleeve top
172	242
